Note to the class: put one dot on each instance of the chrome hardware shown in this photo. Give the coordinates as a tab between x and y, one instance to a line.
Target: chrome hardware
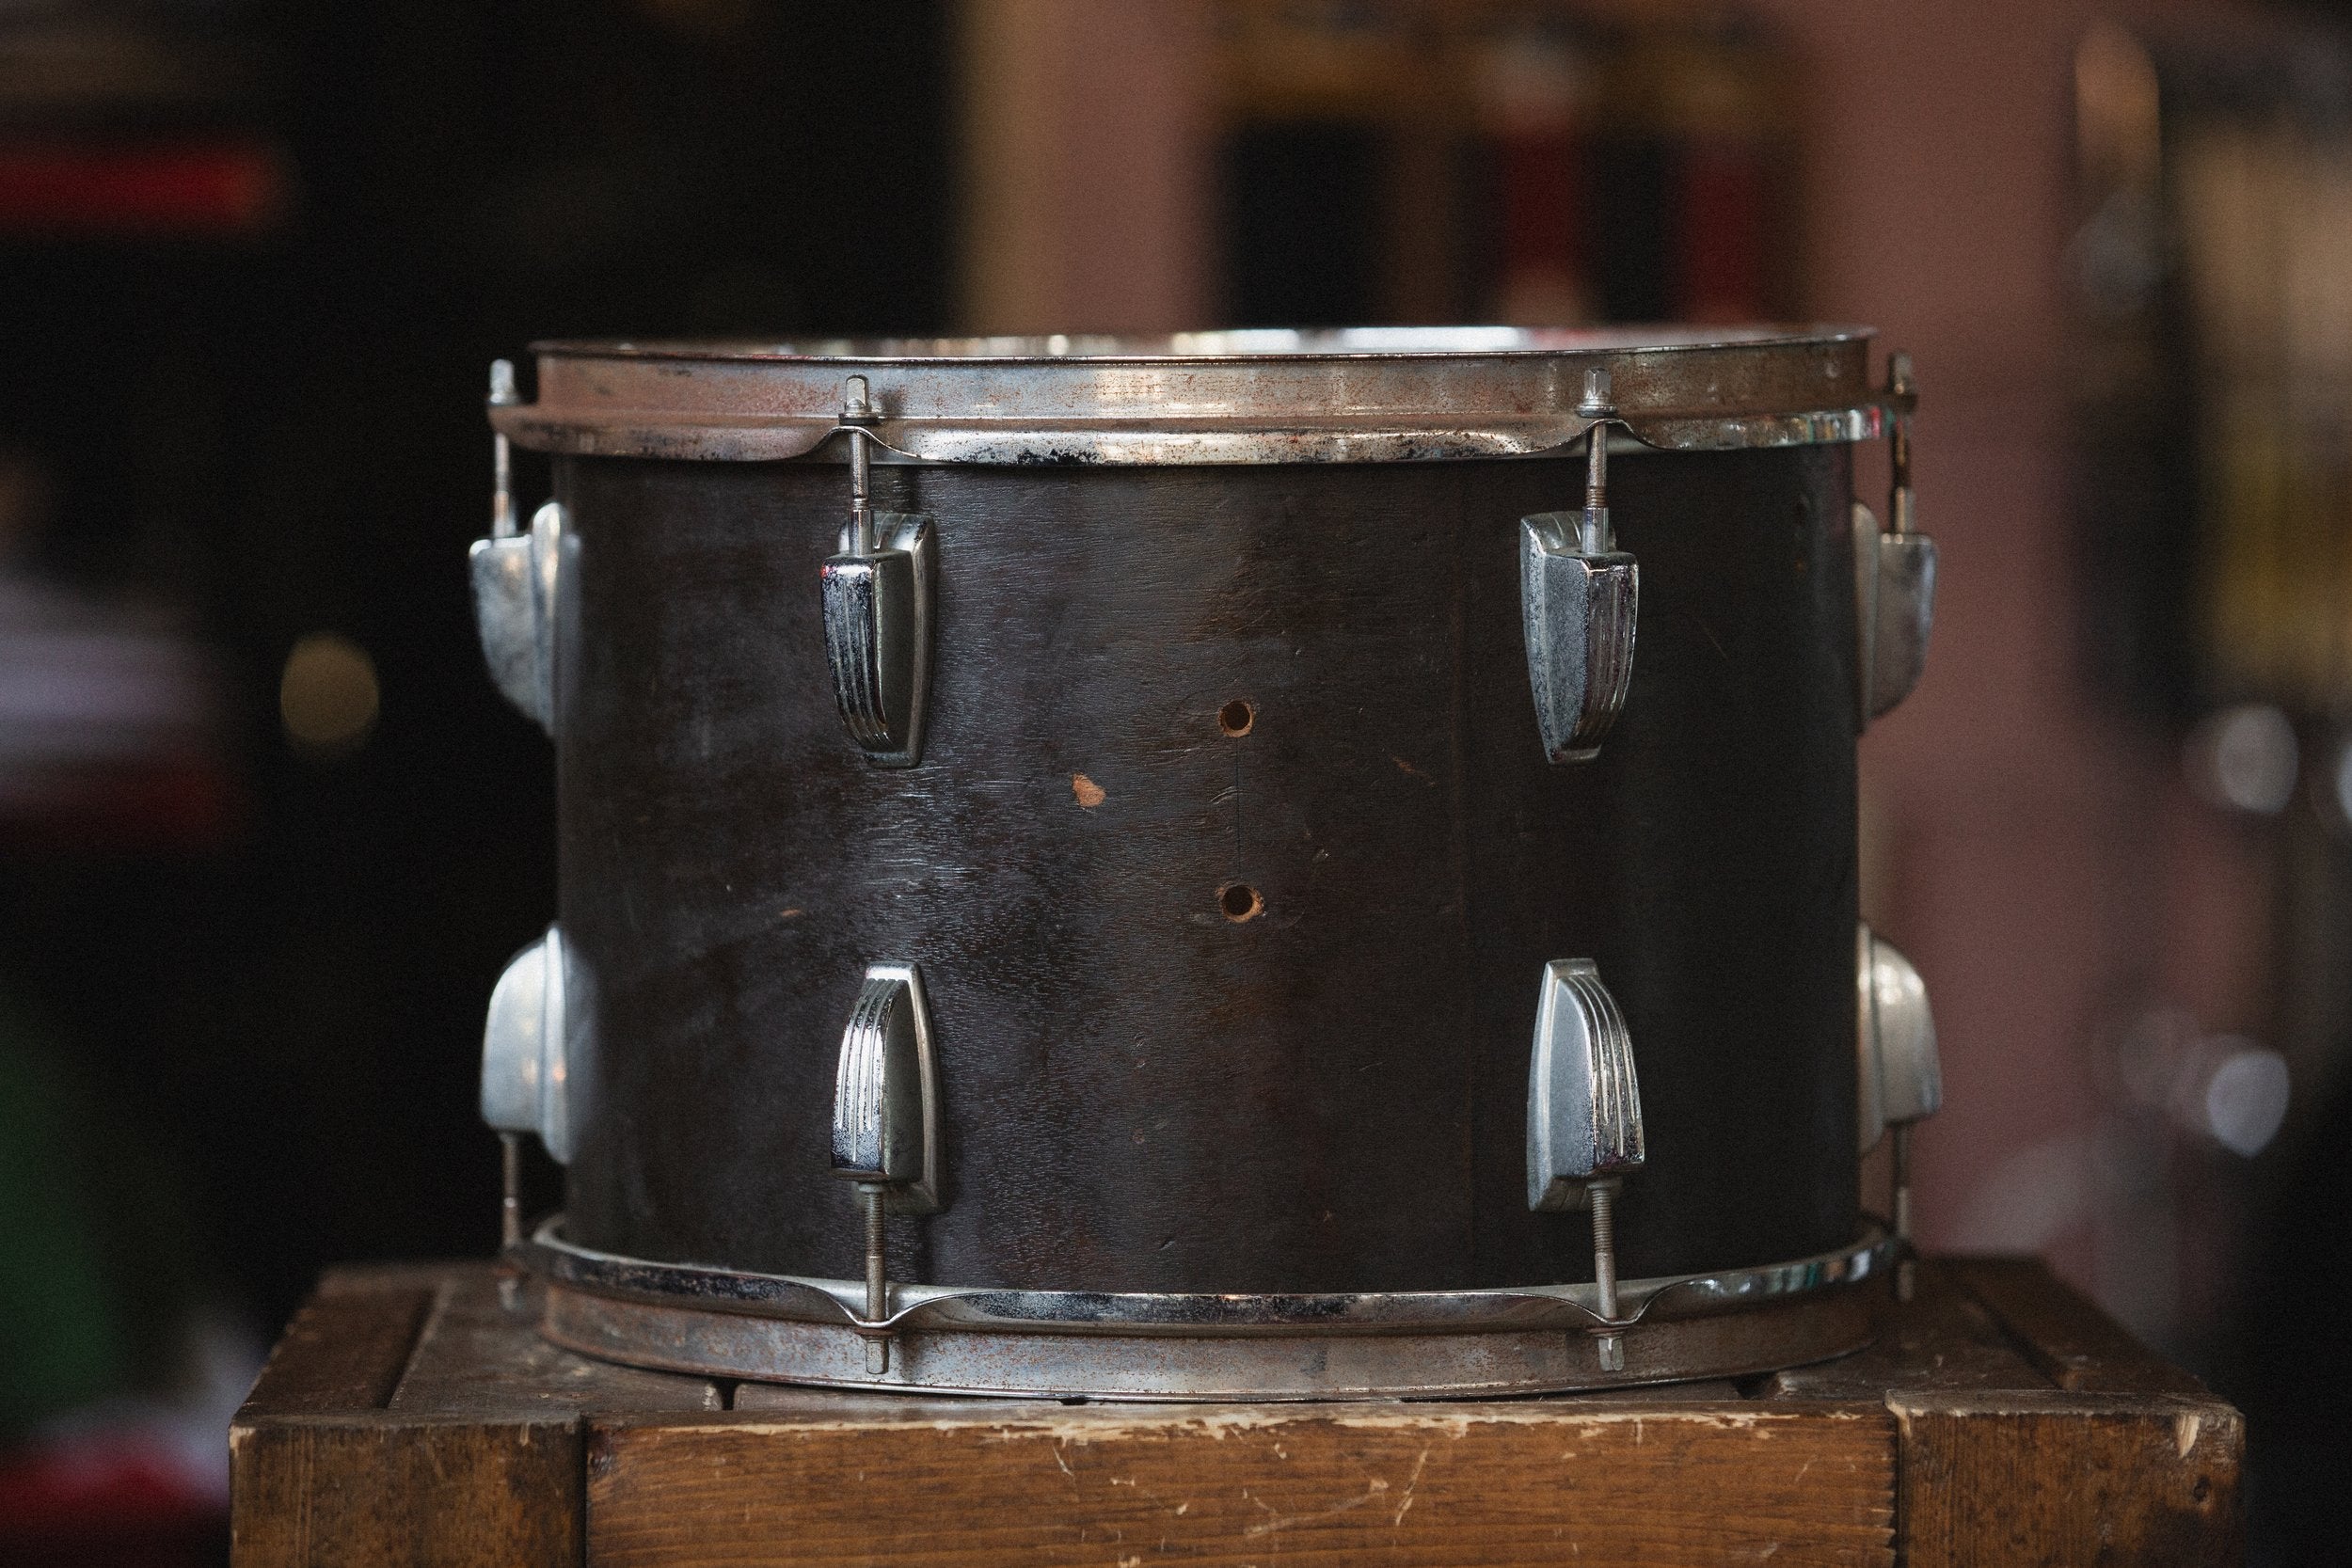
1894	574
1131	1345
1578	597
515	579
1583	1119
1869	1076
886	1122
502	395
514	607
523	1066
879	592
1412	394
1900	1067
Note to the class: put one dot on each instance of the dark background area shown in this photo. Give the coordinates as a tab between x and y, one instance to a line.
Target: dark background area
272	995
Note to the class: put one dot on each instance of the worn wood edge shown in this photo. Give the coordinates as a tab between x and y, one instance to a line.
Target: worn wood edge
345	1350
2205	1409
2067	1336
827	1413
355	1491
1940	1339
479	1354
2066	1476
404	1421
1719	1482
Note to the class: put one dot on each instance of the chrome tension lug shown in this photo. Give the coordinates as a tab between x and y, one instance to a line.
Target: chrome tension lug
879	596
1894	573
514	581
525	1076
1579	595
1902	1073
885	1126
1583	1121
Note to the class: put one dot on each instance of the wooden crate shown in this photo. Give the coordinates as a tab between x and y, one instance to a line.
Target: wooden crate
407	1419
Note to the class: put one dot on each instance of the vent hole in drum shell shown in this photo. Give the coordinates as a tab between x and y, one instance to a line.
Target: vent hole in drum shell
1240	902
1237	716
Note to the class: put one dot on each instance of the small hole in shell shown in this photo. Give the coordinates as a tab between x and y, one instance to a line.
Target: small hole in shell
1236	717
1240	902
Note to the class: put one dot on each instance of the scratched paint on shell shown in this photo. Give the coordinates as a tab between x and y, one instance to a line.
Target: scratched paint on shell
1090	794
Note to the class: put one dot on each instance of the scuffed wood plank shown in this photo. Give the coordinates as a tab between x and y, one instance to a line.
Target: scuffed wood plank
346	1348
1546	1482
2074	1343
2063	1478
1941	1339
360	1492
476	1357
404	1421
477	1457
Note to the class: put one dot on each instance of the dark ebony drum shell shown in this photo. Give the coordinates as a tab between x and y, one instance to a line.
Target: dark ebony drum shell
1141	1092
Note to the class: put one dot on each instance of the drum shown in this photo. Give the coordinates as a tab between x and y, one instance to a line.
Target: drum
1245	865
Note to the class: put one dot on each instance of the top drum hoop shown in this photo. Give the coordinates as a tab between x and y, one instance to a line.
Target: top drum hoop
1394	394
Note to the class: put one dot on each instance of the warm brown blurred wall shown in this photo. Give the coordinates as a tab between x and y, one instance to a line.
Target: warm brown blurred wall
2035	856
1086	202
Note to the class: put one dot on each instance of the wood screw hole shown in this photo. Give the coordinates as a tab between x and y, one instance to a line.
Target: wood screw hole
1236	717
1240	902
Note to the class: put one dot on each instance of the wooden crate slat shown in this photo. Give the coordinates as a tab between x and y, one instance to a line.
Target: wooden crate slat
476	1357
1991	1479
1942	1339
408	1418
2074	1343
345	1350
1407	1484
360	1492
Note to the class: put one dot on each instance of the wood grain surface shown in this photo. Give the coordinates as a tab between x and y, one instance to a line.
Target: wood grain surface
1943	1341
2067	1338
352	1492
1724	1483
2067	1478
407	1419
345	1350
411	1418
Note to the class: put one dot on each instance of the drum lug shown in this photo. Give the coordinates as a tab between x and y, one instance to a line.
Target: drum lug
515	582
886	1122
1577	598
524	1078
1894	575
1903	1079
879	593
1583	1119
1869	1076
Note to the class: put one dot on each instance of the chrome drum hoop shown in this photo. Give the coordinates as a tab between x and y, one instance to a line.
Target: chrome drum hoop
1365	395
784	1328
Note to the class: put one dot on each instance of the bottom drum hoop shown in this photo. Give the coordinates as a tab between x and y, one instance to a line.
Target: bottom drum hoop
1440	1344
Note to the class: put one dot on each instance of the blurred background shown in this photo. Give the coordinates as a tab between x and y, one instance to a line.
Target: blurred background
267	834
